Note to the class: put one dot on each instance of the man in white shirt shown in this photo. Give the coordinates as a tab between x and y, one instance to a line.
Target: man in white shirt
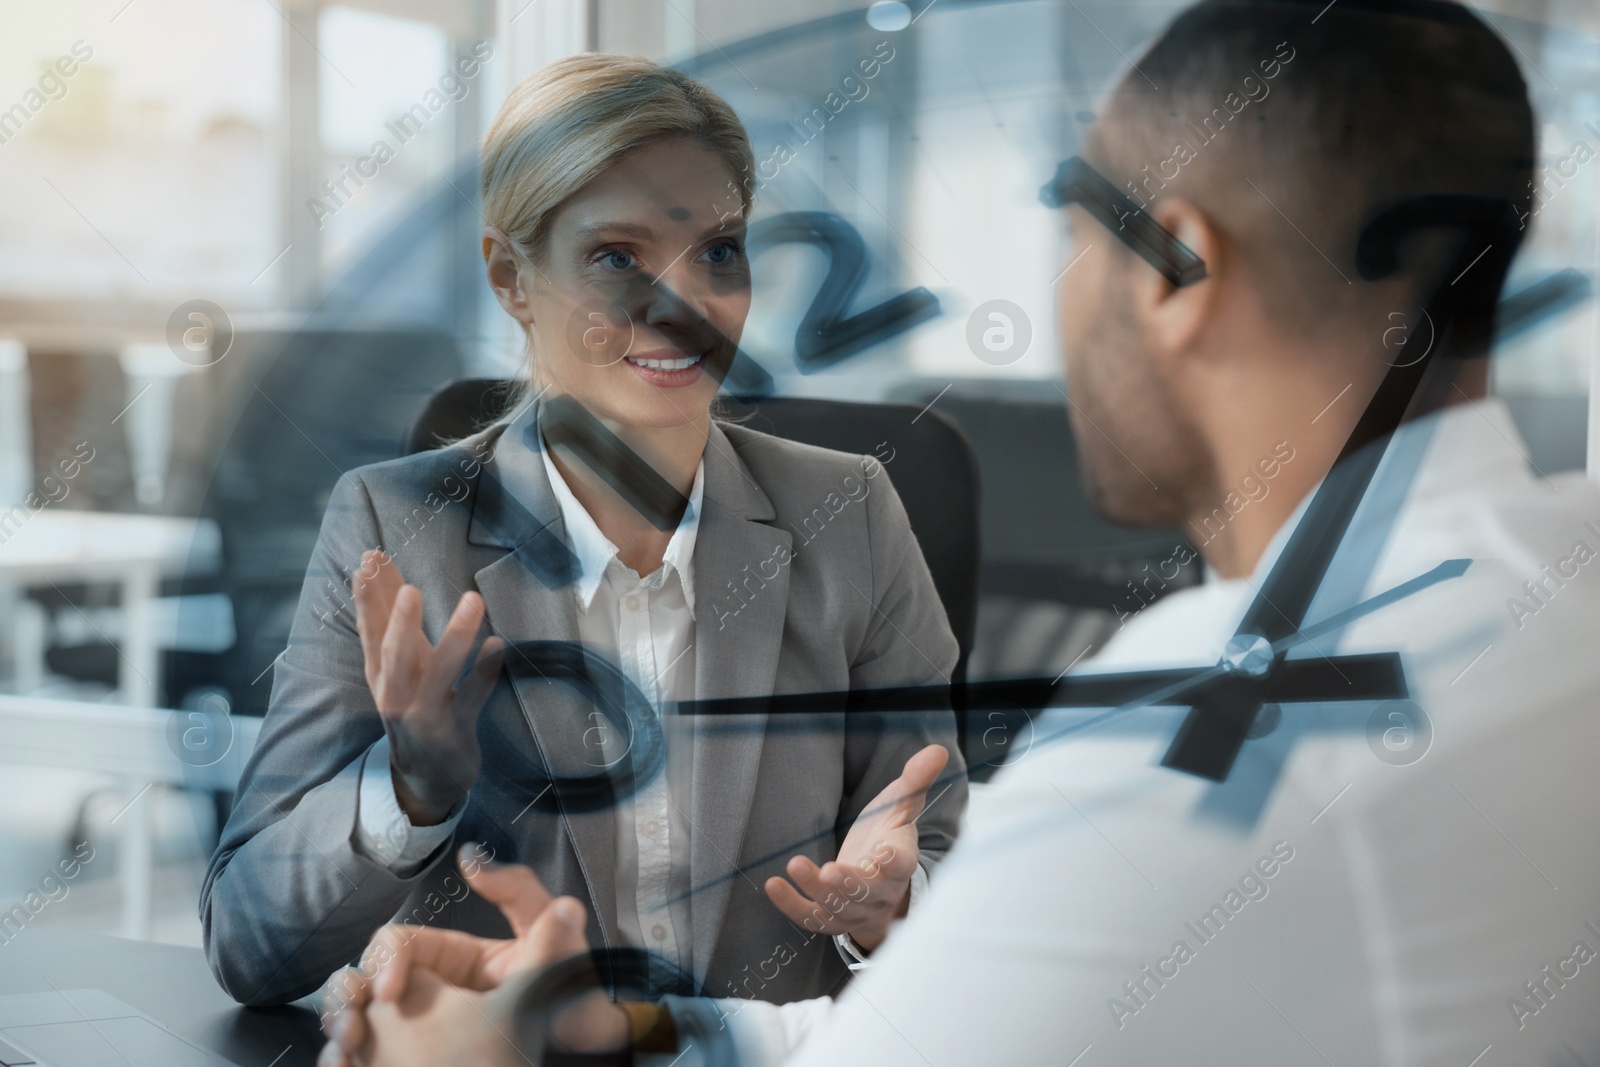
1408	881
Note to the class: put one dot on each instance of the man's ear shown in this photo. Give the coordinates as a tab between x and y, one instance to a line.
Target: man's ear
505	275
1174	318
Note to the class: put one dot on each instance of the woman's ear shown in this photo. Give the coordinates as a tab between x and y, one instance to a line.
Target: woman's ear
1175	318
505	275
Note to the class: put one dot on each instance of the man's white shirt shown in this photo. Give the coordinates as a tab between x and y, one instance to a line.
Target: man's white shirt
1370	886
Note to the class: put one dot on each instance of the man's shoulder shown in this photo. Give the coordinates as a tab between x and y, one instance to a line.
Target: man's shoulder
1537	540
1185	627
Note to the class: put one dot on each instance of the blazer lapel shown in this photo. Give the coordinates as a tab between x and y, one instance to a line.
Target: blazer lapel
527	595
741	581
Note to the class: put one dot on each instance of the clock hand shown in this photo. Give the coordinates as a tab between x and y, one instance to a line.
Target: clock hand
1376	671
1365	676
566	423
1368	676
1450	568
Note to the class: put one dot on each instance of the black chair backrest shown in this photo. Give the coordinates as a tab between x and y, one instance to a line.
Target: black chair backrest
933	466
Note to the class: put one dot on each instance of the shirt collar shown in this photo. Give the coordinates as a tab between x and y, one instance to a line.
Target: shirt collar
1467	448
596	553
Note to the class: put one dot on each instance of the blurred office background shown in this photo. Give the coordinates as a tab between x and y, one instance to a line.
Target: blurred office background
239	249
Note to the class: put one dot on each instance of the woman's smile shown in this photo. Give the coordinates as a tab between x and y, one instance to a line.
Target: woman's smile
667	367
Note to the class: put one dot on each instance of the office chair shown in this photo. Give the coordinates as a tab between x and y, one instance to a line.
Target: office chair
934	469
1041	537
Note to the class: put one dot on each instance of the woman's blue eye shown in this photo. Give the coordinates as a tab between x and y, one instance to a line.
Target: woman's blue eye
723	253
617	259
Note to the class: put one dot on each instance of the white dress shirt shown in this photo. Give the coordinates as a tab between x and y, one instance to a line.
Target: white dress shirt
1362	890
646	627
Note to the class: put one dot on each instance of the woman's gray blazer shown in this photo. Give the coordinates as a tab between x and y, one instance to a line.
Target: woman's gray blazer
807	579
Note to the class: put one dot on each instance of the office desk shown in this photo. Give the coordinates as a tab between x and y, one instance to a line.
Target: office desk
135	551
172	985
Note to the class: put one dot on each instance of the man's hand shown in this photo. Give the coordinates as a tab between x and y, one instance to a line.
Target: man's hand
417	983
431	722
434	1024
869	885
463	959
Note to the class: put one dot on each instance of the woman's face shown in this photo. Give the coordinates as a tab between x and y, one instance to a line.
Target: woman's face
637	304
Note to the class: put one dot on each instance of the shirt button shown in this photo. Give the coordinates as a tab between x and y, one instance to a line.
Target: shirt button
632	602
652	829
658	932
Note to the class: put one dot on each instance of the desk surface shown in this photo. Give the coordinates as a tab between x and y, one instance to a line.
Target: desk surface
172	985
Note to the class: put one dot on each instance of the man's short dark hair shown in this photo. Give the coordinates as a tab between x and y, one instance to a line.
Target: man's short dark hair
1378	101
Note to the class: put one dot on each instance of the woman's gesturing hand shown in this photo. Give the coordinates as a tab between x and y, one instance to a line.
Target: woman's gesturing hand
869	885
432	722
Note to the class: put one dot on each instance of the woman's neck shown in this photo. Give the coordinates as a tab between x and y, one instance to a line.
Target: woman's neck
672	452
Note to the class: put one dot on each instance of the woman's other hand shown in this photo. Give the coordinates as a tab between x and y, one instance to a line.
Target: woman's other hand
869	885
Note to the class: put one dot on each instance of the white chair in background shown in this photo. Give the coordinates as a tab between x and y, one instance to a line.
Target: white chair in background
16	423
152	372
22	643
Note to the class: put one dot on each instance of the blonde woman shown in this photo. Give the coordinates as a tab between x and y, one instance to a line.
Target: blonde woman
529	606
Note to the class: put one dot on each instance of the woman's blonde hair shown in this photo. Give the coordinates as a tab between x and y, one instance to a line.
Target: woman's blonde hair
570	121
